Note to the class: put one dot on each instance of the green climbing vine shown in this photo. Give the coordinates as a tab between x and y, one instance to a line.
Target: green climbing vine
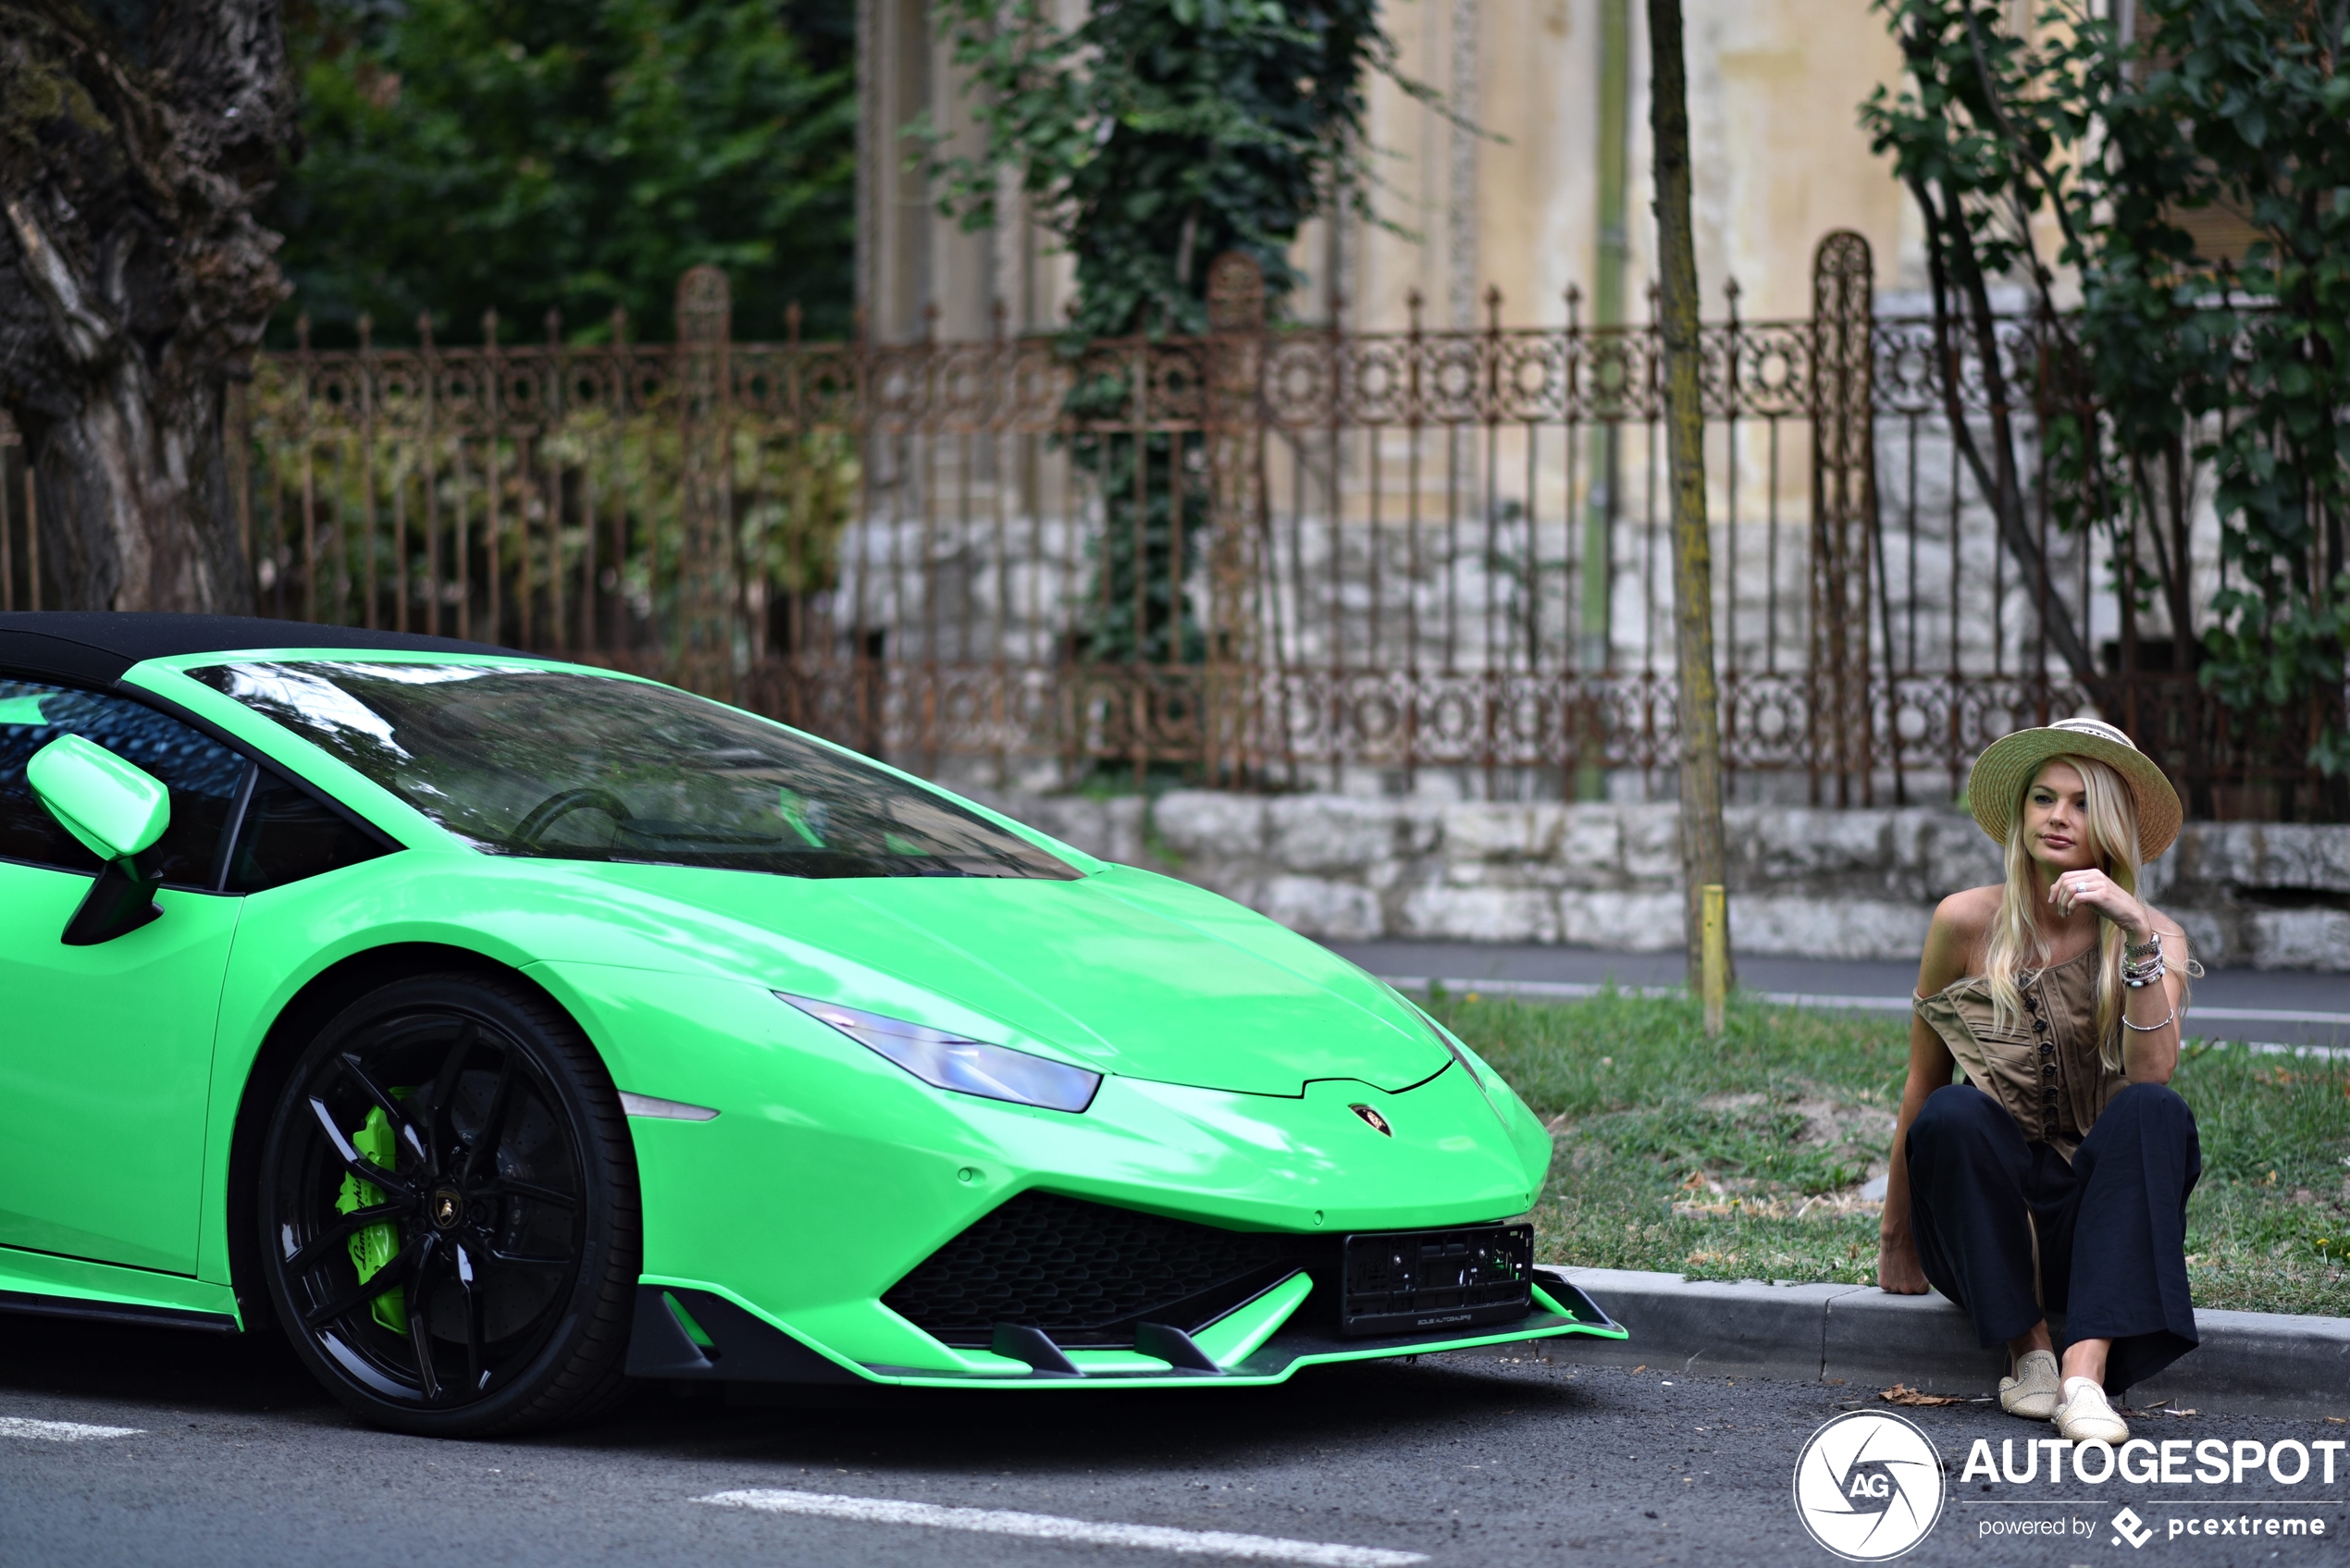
1147	140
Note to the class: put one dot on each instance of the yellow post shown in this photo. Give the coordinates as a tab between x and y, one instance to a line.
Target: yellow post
1715	920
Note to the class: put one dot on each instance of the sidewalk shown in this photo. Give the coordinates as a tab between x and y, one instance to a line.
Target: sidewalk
2249	1362
2267	1007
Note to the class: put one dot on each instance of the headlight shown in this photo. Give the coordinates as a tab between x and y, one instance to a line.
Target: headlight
950	1061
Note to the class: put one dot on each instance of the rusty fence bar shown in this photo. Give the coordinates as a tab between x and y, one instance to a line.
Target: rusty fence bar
20	569
1269	557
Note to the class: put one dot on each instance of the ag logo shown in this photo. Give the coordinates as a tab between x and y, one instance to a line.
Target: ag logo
1869	1485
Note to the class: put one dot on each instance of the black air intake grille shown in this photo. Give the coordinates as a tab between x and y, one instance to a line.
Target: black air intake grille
1085	1273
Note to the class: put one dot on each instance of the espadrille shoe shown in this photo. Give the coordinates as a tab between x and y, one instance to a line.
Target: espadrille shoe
2084	1416
2032	1392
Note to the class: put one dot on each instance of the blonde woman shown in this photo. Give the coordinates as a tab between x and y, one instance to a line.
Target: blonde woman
2054	1175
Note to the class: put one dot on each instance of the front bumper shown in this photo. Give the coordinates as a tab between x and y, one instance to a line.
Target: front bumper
830	1175
691	1334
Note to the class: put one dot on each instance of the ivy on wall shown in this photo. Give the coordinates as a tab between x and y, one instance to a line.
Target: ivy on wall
1149	138
1156	134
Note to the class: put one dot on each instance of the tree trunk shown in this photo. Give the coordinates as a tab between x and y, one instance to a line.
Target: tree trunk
1704	859
136	139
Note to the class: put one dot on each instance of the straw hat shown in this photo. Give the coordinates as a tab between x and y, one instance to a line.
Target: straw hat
2014	760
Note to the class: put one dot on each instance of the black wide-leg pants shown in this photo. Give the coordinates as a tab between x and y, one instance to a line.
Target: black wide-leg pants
2111	1225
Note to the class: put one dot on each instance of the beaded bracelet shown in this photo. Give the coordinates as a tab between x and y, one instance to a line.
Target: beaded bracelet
2168	1019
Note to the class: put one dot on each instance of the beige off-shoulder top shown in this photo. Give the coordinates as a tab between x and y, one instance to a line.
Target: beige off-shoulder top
2043	1070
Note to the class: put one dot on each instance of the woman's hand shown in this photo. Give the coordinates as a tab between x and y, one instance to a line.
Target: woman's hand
1898	1271
2094	890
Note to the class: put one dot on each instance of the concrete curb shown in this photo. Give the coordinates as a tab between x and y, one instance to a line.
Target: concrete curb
2249	1362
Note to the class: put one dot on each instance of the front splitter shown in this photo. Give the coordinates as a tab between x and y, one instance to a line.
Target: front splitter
690	1334
1276	1362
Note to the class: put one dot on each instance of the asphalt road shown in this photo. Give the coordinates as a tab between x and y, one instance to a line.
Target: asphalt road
1475	1458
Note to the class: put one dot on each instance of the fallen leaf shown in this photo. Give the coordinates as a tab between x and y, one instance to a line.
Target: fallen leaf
1901	1393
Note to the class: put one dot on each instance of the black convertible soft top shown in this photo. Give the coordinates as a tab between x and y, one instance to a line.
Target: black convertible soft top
99	645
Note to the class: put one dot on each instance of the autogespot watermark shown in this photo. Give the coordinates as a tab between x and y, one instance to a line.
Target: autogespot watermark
2176	1462
1869	1485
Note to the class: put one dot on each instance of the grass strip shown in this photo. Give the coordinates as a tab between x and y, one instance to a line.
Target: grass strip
1745	1158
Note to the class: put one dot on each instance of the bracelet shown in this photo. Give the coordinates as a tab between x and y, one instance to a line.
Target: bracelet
2168	1019
2150	948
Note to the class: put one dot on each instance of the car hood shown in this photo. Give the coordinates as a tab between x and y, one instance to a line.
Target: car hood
1123	971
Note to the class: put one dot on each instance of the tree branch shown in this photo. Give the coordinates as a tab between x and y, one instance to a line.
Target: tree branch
87	337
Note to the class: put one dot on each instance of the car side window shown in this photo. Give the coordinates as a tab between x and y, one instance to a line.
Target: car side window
202	775
289	835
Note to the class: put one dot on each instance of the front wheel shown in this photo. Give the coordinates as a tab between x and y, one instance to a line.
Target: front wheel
447	1210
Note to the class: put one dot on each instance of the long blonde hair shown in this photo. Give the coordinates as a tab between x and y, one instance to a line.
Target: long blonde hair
2016	943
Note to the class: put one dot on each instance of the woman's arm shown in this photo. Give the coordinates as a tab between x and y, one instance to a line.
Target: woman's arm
1949	943
2151	1055
2152	1014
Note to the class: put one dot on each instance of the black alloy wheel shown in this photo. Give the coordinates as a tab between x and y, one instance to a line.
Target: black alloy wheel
449	1212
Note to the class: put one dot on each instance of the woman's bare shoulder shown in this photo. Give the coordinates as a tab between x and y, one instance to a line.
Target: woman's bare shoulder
1967	913
1960	923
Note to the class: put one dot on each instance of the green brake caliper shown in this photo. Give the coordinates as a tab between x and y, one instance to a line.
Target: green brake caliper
378	1243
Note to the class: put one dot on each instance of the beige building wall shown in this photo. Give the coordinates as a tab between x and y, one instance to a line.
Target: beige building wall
1774	89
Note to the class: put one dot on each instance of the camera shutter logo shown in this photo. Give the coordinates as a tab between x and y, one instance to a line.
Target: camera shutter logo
1869	1485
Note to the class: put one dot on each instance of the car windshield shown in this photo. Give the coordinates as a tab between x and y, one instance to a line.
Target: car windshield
552	763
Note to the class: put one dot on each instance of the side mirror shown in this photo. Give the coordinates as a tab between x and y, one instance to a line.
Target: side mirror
117	811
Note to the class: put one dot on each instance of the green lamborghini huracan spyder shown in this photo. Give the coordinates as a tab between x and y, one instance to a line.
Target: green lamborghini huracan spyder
504	1030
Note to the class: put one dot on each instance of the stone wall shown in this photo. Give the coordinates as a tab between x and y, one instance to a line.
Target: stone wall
1846	885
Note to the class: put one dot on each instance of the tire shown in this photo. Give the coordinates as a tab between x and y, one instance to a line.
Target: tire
456	1138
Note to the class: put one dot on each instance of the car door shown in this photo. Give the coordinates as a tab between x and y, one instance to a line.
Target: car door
105	1051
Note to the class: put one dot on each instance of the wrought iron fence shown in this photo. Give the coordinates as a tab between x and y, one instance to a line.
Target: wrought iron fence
1271	557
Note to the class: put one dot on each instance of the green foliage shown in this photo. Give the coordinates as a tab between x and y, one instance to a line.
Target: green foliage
2259	117
1157	135
1137	612
1981	130
569	154
792	500
1151	137
2175	357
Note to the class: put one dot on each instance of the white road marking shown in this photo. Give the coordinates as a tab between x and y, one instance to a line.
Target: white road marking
1051	1527
61	1431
